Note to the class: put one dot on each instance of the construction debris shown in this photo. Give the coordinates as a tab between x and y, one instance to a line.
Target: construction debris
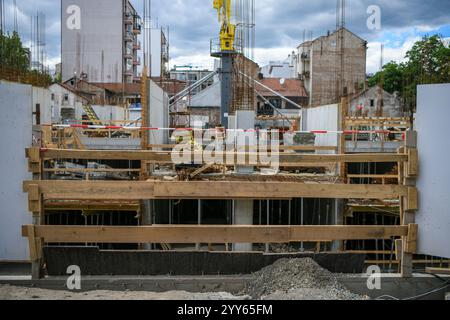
298	279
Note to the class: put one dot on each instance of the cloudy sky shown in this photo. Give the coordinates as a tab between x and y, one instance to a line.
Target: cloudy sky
280	25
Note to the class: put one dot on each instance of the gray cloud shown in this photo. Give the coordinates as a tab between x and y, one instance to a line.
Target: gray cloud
280	23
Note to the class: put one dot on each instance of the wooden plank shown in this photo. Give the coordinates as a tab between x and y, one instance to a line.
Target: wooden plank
372	176
413	163
409	207
34	198
33	154
200	170
34	160
94	190
441	271
280	148
166	157
411	241
335	233
212	234
412	201
30	233
269	190
139	190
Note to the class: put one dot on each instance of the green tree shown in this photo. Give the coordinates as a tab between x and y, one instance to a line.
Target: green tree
427	62
12	53
391	77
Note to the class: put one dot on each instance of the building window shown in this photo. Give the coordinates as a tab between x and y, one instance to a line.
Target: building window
276	103
66	97
372	103
53	97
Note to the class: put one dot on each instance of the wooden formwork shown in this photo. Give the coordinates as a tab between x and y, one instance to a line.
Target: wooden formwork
49	190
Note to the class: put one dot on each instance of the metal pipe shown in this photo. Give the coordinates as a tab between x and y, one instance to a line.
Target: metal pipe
268	223
290	213
272	106
194	86
199	220
302	218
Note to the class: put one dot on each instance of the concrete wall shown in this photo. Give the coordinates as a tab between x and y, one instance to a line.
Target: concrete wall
210	97
433	216
205	115
369	100
159	114
324	67
278	69
16	129
97	47
42	96
59	102
323	118
108	113
156	48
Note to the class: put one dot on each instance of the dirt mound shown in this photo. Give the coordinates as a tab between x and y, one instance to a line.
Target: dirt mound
297	279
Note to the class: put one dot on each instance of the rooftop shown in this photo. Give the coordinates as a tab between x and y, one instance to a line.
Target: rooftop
285	87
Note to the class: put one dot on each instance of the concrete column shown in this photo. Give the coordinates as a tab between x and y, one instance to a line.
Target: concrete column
243	209
339	206
243	216
147	219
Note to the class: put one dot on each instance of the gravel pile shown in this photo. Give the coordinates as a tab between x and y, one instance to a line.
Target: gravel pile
297	279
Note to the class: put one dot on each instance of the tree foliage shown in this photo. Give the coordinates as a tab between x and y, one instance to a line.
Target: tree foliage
12	53
391	77
427	62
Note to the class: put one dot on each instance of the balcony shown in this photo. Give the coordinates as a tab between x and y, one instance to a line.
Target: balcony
137	46
137	29
129	37
128	19
137	62
128	56
129	72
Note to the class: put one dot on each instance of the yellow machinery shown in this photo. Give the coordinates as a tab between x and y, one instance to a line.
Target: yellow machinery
227	30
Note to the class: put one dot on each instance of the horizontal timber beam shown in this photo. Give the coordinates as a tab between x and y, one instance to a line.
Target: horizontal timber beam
211	234
290	159
148	190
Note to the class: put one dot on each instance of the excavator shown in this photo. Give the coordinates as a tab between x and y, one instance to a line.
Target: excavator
227	30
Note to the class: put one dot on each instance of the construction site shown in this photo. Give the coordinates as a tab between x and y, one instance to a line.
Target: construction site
232	183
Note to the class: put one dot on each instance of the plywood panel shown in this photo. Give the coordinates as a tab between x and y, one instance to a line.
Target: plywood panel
16	124
433	217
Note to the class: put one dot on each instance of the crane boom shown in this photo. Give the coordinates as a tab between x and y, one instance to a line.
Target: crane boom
227	29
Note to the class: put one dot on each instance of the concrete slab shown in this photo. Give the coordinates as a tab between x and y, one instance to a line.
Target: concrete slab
111	144
373	146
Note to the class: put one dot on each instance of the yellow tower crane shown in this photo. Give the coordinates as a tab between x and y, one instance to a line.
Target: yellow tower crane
227	29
